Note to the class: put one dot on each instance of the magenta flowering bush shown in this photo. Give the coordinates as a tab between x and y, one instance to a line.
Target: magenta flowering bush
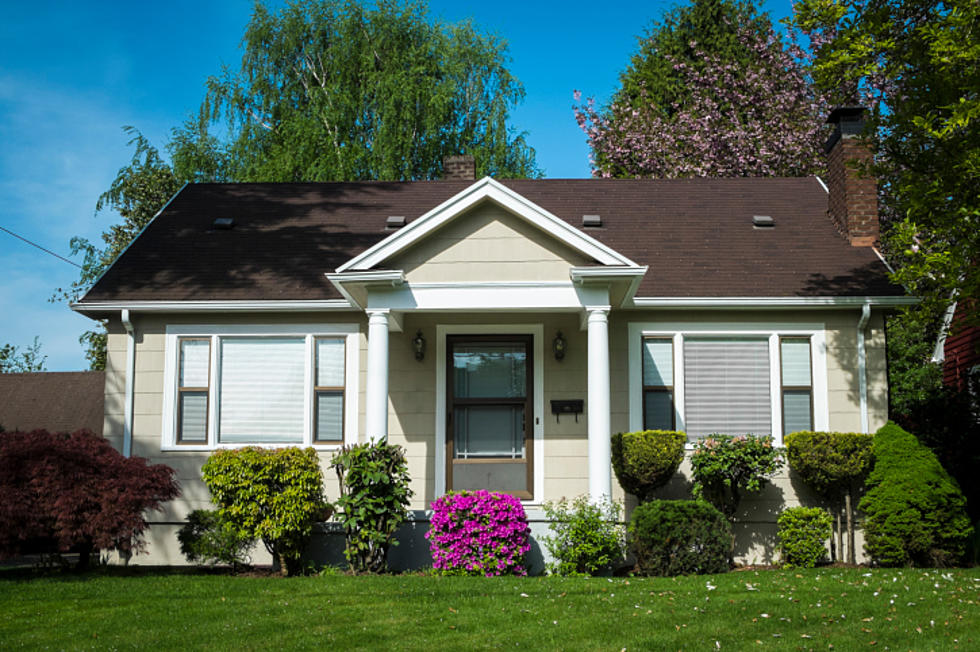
478	533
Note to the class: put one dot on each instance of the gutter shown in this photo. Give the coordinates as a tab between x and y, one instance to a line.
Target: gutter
863	365
130	372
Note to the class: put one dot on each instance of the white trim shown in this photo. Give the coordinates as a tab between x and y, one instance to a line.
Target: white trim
608	273
939	352
537	331
464	297
772	331
213	306
351	332
822	184
485	189
127	323
769	302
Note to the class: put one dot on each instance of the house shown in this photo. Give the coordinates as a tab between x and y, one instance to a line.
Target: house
958	348
63	401
499	330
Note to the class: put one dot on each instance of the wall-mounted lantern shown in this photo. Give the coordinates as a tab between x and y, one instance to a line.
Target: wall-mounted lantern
559	345
418	345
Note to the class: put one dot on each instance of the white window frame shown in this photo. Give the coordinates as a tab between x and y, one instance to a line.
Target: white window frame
772	331
215	332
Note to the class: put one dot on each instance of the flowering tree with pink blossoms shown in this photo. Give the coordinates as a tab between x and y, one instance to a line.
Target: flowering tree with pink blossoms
758	119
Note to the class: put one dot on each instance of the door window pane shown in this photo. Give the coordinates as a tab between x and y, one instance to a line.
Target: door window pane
489	431
489	370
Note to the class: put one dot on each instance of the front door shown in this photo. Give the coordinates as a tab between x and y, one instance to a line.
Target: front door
489	416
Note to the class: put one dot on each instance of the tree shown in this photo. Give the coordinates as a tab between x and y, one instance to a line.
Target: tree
681	36
15	360
915	64
75	491
759	117
327	90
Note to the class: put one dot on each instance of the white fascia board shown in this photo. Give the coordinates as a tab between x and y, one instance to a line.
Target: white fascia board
212	306
486	188
483	297
339	280
770	302
610	273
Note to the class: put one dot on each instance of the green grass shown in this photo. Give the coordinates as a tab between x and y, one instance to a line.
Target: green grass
847	609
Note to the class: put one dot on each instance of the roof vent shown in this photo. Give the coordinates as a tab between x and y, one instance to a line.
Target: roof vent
762	222
223	223
592	220
395	221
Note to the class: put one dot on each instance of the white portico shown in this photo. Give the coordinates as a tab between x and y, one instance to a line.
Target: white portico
489	251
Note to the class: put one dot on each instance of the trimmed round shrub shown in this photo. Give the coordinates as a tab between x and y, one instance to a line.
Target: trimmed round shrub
586	538
679	537
915	513
802	533
208	539
830	462
647	460
478	533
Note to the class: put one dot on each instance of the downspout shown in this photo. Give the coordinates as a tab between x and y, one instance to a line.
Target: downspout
130	371
863	365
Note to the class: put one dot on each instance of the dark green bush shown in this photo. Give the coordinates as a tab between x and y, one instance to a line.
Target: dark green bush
802	533
587	538
679	537
645	461
374	497
915	513
209	539
275	495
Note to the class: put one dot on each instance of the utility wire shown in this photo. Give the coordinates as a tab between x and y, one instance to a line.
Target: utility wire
34	244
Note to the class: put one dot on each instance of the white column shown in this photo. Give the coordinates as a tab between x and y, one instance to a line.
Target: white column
600	460
376	417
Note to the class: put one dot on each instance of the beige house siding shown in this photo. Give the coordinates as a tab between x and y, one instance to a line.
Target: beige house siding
412	400
487	243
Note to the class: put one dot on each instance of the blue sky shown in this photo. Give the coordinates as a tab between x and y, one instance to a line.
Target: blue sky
72	74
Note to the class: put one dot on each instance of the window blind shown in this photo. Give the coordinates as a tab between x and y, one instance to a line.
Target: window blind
726	385
261	395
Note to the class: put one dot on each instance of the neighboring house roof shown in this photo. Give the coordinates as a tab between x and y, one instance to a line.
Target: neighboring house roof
53	401
696	236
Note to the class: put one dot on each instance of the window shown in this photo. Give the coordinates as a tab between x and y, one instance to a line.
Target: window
726	384
258	385
736	378
658	383
797	384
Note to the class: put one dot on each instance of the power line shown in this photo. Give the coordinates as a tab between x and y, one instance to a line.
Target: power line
34	244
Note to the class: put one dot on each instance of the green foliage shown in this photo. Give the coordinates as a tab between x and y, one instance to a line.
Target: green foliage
679	537
710	26
830	462
723	466
645	461
374	497
915	64
275	495
15	360
208	538
802	533
914	511
586	538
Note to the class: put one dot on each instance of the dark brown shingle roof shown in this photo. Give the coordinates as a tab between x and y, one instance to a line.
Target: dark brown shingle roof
52	401
695	234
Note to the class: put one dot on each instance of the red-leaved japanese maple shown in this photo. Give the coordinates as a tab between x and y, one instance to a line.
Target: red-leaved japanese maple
75	491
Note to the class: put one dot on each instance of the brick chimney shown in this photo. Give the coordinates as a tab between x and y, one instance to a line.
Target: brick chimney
461	167
853	197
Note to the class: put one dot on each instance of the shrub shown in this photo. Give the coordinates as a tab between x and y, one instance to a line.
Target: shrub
802	533
724	466
915	512
76	491
645	461
833	464
210	539
374	495
275	495
586	538
478	533
679	537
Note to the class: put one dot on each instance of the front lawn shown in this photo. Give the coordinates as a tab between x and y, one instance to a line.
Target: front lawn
829	608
